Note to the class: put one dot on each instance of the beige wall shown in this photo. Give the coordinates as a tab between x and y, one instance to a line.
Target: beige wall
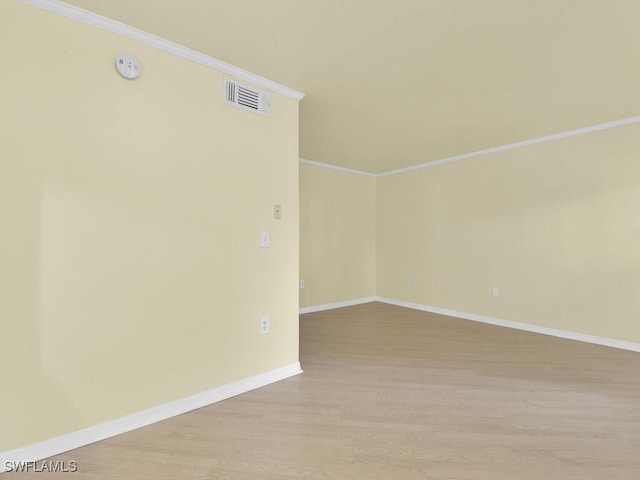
131	210
337	235
555	226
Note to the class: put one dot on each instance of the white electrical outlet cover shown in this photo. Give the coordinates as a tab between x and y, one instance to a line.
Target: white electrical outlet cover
265	326
128	66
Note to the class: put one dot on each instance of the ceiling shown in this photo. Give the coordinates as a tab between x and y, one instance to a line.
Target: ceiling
395	83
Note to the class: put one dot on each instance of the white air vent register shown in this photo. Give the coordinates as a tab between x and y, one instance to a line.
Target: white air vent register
247	98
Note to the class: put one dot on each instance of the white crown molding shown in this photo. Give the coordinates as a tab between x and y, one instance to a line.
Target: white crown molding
511	146
331	306
335	167
554	332
80	438
487	151
113	26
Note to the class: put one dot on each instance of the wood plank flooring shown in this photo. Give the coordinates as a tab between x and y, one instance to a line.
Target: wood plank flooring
392	393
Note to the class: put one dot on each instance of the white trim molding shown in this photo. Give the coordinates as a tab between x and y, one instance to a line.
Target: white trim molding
84	16
528	327
554	332
81	438
335	167
487	151
524	143
331	306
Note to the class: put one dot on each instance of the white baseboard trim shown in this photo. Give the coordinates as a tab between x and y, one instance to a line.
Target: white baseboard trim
331	306
554	332
81	438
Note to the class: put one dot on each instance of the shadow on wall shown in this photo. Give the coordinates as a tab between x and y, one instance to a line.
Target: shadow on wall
34	402
31	400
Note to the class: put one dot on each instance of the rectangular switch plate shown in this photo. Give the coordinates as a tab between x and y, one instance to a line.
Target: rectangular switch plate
265	239
277	211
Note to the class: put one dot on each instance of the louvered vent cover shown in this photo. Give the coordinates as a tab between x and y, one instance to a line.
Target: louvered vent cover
247	98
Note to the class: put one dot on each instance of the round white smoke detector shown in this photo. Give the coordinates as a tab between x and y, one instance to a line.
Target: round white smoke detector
128	66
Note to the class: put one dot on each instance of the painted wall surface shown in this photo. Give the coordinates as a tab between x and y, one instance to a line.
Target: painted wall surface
130	215
337	235
555	226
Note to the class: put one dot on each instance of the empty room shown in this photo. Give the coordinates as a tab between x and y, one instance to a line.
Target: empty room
320	239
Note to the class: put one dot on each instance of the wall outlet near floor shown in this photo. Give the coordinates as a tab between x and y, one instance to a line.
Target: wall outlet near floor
413	282
495	291
301	283
265	326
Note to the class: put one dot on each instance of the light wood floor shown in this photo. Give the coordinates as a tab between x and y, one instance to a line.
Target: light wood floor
391	393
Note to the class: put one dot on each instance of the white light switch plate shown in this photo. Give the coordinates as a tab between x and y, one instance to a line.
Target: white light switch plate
265	239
